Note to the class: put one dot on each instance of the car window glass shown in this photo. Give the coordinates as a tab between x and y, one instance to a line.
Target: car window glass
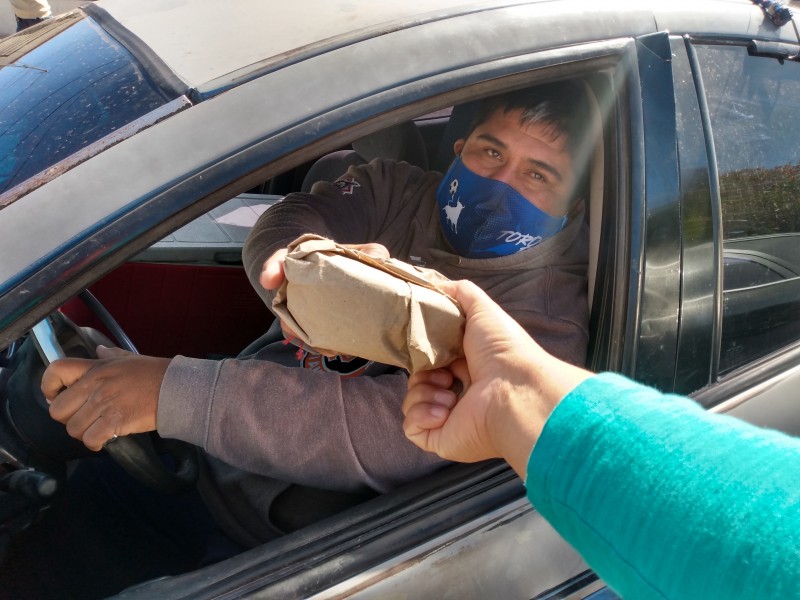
753	108
69	92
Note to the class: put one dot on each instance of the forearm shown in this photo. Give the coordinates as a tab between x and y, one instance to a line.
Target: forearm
522	405
664	500
293	424
348	217
276	229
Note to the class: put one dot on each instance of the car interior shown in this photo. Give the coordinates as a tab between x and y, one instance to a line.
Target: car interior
199	264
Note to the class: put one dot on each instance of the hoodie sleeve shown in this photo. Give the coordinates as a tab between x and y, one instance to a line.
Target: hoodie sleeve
304	426
308	427
355	209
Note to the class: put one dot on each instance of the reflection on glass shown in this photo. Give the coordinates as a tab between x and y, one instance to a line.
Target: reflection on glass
65	94
753	109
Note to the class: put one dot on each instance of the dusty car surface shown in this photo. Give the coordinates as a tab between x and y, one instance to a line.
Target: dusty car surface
139	141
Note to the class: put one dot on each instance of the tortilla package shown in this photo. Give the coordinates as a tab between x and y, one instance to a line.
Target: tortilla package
340	300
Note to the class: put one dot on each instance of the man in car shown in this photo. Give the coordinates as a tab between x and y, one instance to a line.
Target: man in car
507	215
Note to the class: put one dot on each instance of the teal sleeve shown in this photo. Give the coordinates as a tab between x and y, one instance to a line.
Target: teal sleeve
665	500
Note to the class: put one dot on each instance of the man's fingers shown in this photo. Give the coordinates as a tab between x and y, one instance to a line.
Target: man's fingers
62	374
288	333
272	274
98	399
97	434
80	408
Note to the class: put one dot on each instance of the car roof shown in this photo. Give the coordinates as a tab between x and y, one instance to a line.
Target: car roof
212	45
204	40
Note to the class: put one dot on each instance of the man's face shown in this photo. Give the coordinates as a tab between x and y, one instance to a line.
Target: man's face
526	157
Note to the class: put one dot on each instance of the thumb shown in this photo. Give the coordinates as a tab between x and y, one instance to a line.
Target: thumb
272	274
63	373
423	423
106	352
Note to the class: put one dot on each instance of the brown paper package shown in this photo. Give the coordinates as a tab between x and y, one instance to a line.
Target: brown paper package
341	301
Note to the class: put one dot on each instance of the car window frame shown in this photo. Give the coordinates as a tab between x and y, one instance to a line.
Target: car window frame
653	296
708	385
489	486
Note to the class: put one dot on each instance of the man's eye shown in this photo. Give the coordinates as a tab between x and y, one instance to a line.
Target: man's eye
492	153
536	176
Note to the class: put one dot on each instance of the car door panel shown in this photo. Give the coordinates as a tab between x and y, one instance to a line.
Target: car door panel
772	403
188	293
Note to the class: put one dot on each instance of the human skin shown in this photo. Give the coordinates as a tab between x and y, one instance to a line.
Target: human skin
528	157
510	387
117	394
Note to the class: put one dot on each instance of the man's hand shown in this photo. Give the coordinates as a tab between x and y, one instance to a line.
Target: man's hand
115	395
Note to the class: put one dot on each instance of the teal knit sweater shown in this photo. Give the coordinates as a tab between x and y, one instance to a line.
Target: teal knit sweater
664	500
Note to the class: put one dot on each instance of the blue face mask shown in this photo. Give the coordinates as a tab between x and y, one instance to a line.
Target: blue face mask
484	218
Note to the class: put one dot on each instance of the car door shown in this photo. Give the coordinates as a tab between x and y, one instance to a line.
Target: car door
749	93
738	334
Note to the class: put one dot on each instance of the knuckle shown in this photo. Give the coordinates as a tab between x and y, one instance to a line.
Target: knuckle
113	416
95	400
55	411
98	395
91	443
74	430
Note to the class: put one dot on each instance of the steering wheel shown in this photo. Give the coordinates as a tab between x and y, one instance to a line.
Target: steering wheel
140	454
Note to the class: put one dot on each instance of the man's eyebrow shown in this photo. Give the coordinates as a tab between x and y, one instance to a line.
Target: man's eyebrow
544	166
492	140
547	167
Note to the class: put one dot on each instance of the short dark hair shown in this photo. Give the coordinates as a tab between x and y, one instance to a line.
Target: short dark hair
562	106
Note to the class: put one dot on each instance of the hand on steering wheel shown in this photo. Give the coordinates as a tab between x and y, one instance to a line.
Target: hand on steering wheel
113	395
109	403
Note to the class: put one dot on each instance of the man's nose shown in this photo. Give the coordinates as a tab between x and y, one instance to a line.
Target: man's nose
503	173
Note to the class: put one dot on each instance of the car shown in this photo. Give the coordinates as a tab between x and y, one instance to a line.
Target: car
141	140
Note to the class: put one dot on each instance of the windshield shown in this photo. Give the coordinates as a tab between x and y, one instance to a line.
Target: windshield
65	94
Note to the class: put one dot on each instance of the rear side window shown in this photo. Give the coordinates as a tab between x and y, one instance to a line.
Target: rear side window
72	90
753	104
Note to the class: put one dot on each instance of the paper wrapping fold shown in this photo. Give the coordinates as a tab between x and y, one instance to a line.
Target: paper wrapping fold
340	300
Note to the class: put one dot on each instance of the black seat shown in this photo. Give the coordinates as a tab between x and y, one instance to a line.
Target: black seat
399	142
457	126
